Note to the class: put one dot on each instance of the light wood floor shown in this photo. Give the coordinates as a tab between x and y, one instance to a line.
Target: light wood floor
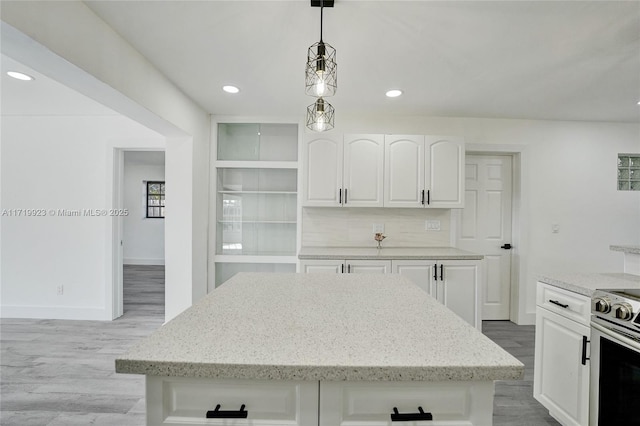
61	373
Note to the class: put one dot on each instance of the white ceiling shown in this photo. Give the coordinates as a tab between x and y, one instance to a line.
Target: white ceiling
570	60
573	60
43	96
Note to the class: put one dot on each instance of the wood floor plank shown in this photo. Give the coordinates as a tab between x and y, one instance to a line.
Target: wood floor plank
61	373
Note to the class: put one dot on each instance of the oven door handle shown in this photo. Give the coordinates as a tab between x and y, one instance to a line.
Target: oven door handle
612	335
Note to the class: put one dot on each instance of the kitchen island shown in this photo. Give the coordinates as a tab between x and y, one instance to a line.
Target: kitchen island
316	349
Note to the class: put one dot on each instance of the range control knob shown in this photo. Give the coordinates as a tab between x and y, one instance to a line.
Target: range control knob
602	305
623	311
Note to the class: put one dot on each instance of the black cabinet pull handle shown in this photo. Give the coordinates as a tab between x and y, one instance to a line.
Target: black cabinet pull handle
345	195
506	246
422	197
435	271
217	413
428	196
342	269
348	268
555	302
409	417
340	196
441	272
584	350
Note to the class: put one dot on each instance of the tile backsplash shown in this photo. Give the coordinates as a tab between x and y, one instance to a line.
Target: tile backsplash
353	227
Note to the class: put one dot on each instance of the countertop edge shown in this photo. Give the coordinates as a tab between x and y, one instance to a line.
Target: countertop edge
321	373
390	257
387	253
566	286
625	248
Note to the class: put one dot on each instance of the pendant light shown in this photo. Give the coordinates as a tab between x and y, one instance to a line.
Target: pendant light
321	78
320	116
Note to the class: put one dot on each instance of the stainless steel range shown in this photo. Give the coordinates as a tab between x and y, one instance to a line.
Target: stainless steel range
615	358
618	310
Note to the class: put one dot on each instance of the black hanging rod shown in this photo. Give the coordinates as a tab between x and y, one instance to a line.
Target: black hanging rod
322	3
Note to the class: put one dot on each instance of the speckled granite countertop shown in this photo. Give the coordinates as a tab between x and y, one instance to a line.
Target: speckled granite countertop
586	283
320	327
626	249
386	253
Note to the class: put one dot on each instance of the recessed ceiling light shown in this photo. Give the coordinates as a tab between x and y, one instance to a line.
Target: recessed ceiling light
19	76
394	93
230	89
638	102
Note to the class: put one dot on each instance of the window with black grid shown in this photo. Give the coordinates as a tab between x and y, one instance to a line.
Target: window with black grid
155	200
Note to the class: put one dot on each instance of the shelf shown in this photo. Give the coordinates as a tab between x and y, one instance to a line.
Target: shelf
225	191
292	222
221	164
255	258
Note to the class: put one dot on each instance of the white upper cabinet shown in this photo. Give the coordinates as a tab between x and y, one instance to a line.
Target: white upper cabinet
423	171
444	171
362	184
343	171
383	171
322	176
403	171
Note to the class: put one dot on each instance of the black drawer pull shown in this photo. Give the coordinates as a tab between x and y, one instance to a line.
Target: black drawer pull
584	350
555	302
409	417
217	413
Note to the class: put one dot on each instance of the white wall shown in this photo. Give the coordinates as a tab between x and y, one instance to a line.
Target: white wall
569	172
68	42
143	238
55	163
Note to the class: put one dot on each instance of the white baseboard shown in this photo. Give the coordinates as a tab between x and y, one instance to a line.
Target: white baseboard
54	312
528	318
139	261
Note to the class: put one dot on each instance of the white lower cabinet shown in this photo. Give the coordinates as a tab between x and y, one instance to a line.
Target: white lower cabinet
373	403
174	401
454	283
561	375
348	266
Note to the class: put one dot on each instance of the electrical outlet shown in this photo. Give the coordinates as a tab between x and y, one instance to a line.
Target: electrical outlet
60	290
432	225
378	228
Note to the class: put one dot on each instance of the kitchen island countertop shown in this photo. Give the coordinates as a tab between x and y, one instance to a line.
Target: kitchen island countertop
320	327
387	253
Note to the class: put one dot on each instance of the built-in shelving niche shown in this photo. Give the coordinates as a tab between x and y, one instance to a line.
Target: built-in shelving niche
256	198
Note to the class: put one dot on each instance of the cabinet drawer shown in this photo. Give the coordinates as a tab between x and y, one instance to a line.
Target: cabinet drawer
563	302
179	401
371	403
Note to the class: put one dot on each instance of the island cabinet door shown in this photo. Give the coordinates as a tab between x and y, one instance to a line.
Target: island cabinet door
173	401
413	403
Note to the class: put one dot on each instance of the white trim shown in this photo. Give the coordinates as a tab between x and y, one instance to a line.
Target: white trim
56	312
139	261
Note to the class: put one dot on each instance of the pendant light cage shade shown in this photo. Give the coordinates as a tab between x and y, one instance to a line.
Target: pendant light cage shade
320	116
321	74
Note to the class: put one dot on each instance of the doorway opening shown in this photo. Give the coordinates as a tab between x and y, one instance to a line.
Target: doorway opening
139	271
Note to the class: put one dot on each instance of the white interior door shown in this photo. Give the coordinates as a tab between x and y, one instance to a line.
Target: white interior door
485	226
